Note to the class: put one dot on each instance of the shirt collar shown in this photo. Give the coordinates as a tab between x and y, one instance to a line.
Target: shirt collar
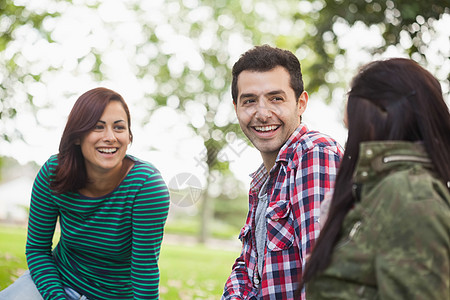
287	148
259	177
261	174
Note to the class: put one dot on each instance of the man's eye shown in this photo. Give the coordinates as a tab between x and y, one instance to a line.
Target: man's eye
277	98
249	101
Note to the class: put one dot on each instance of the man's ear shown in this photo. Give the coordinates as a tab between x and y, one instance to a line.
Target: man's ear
302	102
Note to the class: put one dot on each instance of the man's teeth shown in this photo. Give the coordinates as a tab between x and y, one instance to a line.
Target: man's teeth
265	128
107	150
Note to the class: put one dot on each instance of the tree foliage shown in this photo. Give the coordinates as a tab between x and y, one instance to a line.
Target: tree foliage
200	86
183	48
182	51
406	24
12	71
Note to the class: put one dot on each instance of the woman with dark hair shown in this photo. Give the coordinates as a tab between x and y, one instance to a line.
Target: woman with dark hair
111	207
387	235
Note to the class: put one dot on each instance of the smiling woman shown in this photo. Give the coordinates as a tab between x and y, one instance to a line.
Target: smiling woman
112	208
101	117
104	149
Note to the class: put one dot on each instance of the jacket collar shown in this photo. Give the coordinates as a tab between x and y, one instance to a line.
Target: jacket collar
378	157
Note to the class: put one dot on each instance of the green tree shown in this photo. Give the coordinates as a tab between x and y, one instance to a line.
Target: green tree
13	70
409	25
215	27
184	50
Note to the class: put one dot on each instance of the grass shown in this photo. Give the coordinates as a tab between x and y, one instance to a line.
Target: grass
187	271
194	272
191	226
12	254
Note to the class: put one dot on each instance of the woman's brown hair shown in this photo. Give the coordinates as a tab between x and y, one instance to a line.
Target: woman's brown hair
70	174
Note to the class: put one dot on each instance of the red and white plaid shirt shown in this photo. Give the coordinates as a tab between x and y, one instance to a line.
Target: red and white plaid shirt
304	171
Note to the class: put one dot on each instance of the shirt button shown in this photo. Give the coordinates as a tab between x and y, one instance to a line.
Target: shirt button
369	153
256	281
276	220
364	174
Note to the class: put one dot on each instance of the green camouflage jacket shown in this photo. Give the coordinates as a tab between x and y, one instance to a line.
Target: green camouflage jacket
396	240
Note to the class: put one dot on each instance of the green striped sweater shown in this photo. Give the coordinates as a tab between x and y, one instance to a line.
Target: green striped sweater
109	246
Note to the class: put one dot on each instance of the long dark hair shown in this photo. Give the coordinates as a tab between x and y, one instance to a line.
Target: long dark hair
394	99
70	174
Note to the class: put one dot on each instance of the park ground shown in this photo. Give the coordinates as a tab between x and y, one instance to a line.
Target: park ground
188	270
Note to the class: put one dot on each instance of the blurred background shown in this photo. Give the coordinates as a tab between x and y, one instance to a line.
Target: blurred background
171	61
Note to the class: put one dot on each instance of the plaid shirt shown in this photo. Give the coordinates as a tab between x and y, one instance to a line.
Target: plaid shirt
304	171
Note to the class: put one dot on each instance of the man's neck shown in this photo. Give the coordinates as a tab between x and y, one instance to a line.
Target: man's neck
269	160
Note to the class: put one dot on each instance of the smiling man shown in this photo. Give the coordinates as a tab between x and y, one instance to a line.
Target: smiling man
299	167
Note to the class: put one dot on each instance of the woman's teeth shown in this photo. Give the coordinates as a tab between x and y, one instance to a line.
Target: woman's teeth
107	150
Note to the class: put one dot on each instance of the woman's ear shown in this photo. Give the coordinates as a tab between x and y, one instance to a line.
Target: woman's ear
77	142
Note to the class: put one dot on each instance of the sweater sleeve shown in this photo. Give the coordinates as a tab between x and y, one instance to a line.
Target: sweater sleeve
41	227
149	216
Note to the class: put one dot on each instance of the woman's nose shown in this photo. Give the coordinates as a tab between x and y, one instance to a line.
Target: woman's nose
109	136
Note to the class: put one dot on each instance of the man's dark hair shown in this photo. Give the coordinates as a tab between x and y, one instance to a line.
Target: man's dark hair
265	58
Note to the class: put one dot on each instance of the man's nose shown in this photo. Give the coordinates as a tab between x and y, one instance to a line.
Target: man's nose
263	110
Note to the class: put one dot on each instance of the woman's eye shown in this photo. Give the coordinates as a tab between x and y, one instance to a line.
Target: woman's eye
98	127
120	128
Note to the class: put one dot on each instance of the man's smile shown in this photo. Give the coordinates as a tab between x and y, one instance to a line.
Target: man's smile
266	128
